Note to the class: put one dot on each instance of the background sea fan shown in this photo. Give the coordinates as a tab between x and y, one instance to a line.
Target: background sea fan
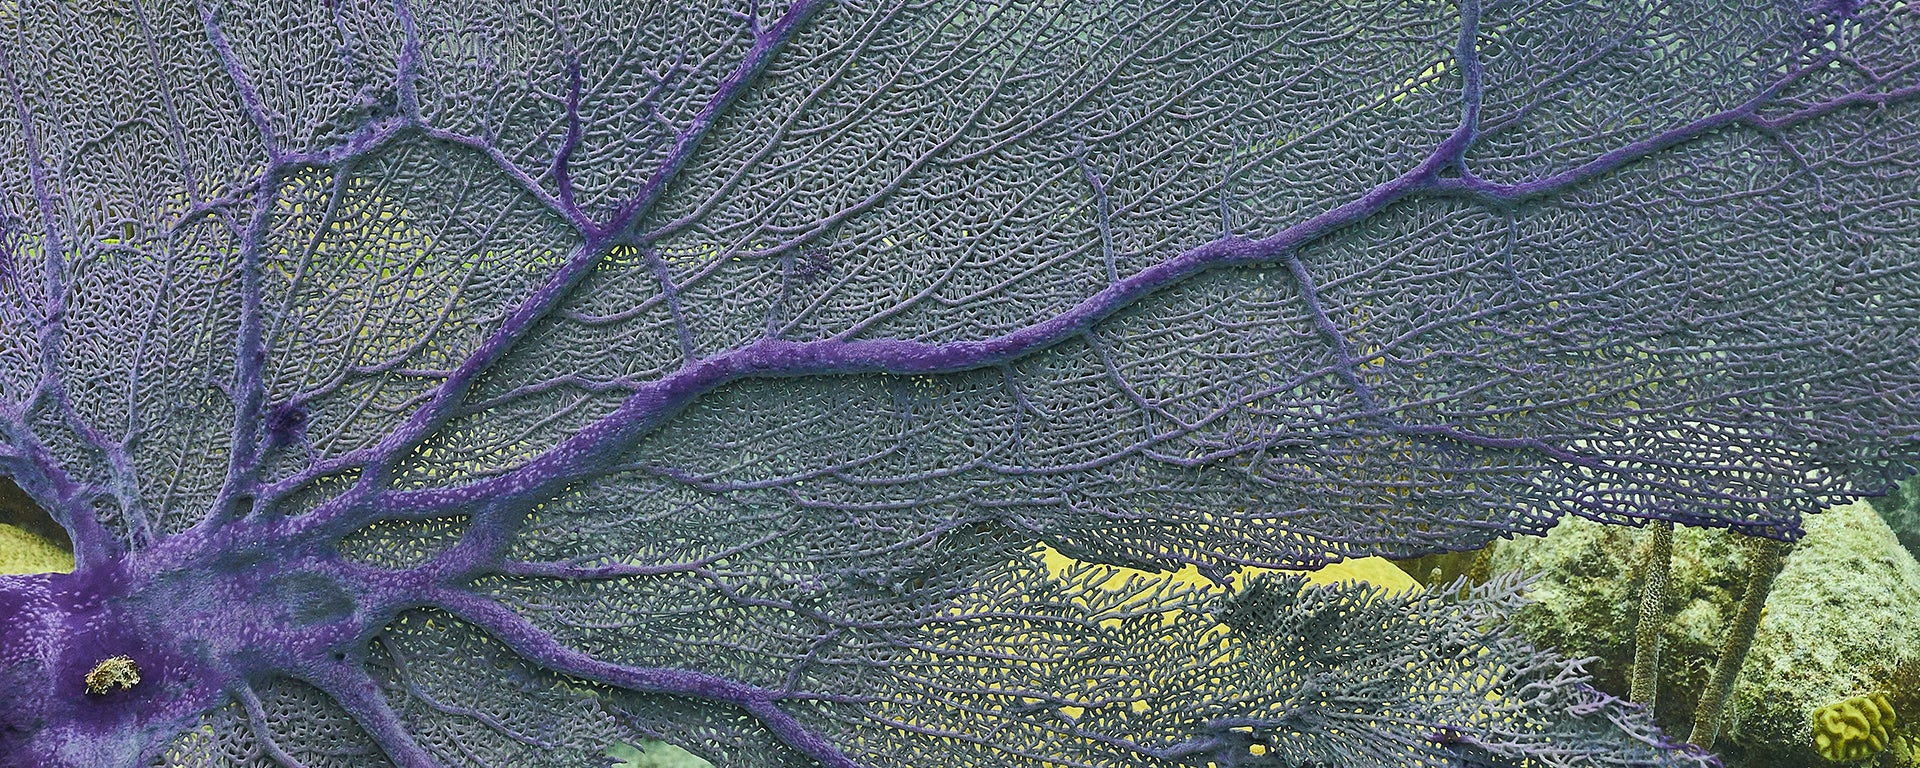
407	373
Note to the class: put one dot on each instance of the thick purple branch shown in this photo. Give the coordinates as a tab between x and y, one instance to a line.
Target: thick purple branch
767	42
250	101
356	692
590	450
262	733
93	545
539	647
241	486
1880	99
406	70
1506	195
1466	56
585	454
589	254
1379	384
65	499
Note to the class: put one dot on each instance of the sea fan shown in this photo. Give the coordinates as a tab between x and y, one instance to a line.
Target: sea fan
472	384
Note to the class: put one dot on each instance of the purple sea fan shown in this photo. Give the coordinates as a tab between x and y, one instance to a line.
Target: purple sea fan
449	384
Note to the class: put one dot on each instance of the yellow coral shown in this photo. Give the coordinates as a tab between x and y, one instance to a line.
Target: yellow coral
1854	729
23	552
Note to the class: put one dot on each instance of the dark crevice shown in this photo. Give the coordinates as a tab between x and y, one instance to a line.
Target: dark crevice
21	511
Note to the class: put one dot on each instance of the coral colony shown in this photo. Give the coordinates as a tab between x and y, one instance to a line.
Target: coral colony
450	385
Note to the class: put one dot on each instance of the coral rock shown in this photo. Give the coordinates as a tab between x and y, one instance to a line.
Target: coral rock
1840	623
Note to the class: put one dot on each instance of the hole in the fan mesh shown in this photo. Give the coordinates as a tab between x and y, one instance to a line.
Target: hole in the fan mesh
654	753
30	540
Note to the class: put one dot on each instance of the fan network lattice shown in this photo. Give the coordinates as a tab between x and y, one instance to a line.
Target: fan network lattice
458	383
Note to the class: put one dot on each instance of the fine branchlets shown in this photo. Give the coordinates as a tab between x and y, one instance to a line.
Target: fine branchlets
457	386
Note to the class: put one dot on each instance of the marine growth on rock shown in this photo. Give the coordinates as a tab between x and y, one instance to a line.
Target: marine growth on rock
451	383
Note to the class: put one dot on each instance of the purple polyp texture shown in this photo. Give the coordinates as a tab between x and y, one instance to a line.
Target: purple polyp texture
451	385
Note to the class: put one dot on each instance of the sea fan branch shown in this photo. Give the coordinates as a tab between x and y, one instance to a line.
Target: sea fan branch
540	648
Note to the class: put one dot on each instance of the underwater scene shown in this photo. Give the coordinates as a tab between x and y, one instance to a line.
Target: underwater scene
959	384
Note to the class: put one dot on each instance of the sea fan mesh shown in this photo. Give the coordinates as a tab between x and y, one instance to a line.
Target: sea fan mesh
708	371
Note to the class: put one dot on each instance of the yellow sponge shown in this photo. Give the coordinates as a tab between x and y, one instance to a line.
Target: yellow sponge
1854	729
23	552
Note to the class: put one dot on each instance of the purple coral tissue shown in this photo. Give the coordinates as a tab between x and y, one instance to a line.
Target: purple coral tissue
448	384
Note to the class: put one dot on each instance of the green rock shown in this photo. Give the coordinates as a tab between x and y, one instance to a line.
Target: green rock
1843	620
